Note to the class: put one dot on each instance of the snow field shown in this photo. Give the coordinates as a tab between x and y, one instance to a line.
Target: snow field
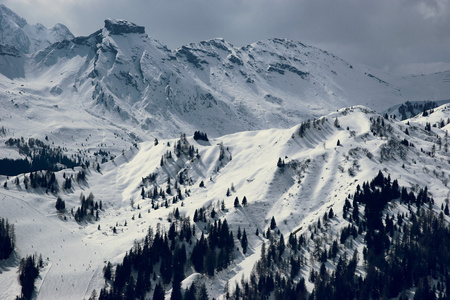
316	178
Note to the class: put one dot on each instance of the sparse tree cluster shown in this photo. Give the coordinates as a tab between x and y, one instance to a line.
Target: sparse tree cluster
89	210
304	126
39	157
380	127
28	272
409	109
39	179
182	146
281	163
198	135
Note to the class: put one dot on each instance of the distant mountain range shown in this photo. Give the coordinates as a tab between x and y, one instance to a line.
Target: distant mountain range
121	74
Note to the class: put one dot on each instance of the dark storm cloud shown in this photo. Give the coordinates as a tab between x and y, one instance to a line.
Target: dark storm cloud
384	33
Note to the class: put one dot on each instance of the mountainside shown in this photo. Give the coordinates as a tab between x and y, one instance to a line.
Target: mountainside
275	170
294	175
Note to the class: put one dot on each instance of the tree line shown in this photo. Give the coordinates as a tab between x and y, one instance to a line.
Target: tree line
39	156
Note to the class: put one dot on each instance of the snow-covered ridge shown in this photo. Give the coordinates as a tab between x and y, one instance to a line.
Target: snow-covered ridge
15	31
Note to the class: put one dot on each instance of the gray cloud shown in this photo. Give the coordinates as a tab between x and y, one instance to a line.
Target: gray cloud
392	34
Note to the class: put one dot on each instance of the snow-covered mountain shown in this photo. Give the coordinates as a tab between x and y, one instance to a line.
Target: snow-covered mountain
124	73
18	38
15	31
105	124
123	76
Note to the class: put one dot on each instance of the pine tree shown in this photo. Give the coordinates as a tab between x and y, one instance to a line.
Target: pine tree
281	245
280	163
190	292
107	271
7	238
336	123
211	262
203	293
93	295
158	293
244	201
331	214
273	224
60	204
176	288
244	242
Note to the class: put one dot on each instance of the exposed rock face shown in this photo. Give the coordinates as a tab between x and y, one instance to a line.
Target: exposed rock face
11	62
9	50
119	27
11	29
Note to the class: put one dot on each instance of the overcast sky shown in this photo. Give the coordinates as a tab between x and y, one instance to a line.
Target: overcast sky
398	35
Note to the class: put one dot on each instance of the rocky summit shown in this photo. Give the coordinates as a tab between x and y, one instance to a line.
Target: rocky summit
122	27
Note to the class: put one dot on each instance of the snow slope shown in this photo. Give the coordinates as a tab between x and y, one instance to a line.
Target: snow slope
317	175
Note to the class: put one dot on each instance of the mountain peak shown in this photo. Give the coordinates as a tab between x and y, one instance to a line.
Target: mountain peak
16	32
5	11
219	43
61	27
118	27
